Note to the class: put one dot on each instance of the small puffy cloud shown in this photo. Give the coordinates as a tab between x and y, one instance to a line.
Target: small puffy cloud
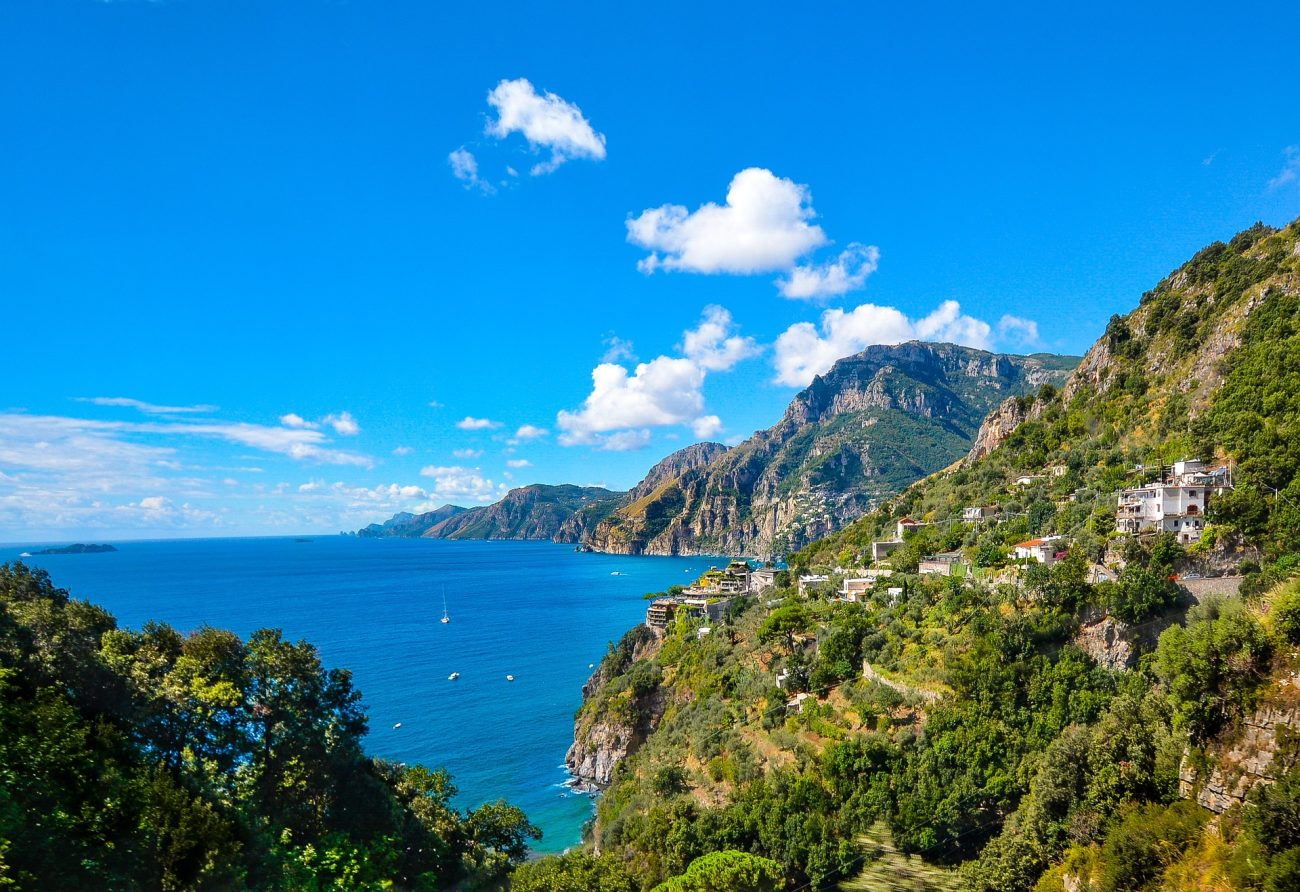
1015	330
434	404
455	483
707	426
470	423
142	406
663	391
713	345
618	350
466	453
311	486
154	503
530	432
519	463
846	273
805	350
546	121
343	423
464	167
402	450
1290	171
763	226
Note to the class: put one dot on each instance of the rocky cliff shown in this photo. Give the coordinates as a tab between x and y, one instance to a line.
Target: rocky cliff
620	709
873	424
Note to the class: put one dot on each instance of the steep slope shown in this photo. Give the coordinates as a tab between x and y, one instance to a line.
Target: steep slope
559	513
962	719
1207	365
870	426
405	525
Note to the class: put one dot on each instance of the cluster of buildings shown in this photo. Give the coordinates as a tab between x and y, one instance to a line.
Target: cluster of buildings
712	594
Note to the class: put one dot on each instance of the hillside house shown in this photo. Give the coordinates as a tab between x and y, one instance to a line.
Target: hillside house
1045	551
882	550
947	563
760	579
1174	504
977	513
660	613
811	579
1027	479
905	526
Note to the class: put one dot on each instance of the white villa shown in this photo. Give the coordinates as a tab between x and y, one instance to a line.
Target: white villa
1175	504
1044	551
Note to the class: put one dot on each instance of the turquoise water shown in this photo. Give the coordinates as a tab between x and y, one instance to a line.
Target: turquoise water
536	610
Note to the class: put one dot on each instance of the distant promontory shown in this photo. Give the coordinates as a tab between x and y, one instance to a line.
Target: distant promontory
79	548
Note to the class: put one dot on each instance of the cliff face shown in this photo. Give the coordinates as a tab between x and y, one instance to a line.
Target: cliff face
619	711
870	426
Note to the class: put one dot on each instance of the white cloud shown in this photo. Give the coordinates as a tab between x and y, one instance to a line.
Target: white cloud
665	391
662	391
464	167
311	486
546	120
624	441
456	483
712	344
402	450
434	404
466	453
846	273
1014	329
147	408
804	350
154	503
293	419
707	426
1290	169
618	350
530	432
519	463
470	423
343	423
763	227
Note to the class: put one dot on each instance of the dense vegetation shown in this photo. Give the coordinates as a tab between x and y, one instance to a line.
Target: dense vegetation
962	719
154	760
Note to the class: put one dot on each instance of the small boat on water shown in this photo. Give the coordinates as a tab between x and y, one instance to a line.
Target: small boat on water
25	554
510	678
445	617
396	725
453	676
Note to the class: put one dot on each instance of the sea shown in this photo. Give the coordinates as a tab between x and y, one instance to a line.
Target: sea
540	612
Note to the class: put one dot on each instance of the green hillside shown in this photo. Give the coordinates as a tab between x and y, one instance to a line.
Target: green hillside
1083	725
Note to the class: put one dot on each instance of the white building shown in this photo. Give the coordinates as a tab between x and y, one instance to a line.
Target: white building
1176	504
1044	551
805	581
976	513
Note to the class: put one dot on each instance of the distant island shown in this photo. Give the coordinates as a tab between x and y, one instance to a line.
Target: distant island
79	548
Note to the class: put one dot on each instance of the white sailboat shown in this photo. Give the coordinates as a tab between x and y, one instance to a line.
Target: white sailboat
445	617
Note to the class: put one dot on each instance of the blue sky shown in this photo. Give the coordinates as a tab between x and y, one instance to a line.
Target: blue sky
264	213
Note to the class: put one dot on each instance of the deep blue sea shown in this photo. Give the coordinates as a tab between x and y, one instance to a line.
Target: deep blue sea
539	611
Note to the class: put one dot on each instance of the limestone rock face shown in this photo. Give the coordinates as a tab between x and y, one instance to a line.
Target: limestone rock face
872	425
606	733
1115	644
1254	756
